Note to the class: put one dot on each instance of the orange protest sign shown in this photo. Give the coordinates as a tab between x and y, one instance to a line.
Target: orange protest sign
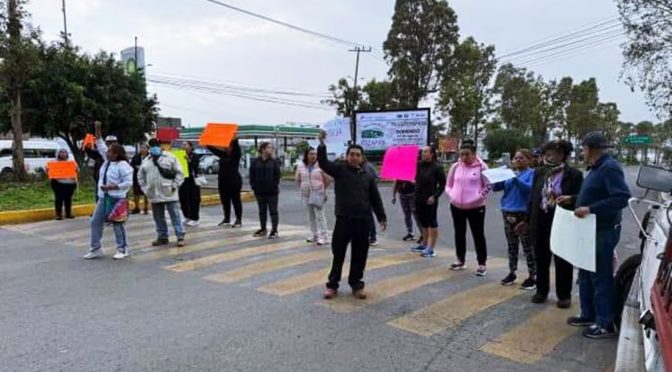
219	135
89	140
62	169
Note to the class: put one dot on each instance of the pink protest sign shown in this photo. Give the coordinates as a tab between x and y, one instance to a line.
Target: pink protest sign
400	163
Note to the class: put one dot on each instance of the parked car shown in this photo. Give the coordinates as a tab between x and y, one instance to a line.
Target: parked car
644	282
37	153
209	164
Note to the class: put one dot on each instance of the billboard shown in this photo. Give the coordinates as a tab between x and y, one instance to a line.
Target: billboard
128	57
376	131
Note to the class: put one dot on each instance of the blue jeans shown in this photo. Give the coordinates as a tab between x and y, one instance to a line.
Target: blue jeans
596	290
159	214
98	221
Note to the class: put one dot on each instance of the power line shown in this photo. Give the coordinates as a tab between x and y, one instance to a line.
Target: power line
570	45
572	52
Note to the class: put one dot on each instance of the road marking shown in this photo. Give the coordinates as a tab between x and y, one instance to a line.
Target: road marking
202	246
388	288
214	259
537	336
267	266
453	310
316	278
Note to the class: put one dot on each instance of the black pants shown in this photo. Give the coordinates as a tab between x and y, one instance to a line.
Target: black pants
268	204
373	234
190	199
63	196
564	271
355	231
476	219
228	195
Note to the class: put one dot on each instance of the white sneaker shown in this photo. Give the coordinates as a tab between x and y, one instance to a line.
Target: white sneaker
120	255
95	254
193	223
186	221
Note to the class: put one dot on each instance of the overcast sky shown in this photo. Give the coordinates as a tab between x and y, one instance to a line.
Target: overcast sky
198	39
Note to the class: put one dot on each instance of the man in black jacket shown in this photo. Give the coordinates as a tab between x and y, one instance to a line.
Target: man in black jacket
356	195
265	182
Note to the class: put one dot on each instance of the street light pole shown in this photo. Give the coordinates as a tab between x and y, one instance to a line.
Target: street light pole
65	24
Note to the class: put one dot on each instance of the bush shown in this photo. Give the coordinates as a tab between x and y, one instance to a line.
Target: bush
500	141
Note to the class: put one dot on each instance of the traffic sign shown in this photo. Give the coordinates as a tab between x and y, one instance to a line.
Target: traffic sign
637	140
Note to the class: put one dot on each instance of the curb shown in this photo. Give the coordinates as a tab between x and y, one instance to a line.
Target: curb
85	210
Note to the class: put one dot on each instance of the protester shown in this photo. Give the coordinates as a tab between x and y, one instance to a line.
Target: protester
190	192
514	206
373	235
160	177
430	181
63	189
230	183
356	195
468	189
136	162
115	180
555	183
604	193
265	182
312	185
406	192
536	158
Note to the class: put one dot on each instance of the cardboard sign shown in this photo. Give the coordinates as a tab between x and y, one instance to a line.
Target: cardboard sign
89	140
58	170
400	163
219	135
181	157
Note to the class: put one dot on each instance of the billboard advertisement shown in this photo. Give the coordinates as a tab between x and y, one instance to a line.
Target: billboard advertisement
376	131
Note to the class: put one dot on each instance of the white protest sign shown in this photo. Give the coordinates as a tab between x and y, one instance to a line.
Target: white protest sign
496	175
338	136
574	239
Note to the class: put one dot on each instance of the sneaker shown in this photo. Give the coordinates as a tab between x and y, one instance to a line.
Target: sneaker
70	217
186	221
538	298
409	237
510	279
428	252
135	211
481	271
259	233
321	242
273	234
160	241
192	223
329	293
120	255
420	240
418	248
95	254
578	321
311	240
373	242
564	304
58	218
236	225
457	266
180	241
596	332
528	284
359	294
224	222
145	212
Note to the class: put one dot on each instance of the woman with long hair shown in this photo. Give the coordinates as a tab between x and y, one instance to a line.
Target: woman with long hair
136	162
114	182
230	182
468	190
190	192
313	186
63	189
430	181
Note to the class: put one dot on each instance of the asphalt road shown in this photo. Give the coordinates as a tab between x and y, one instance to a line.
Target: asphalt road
228	302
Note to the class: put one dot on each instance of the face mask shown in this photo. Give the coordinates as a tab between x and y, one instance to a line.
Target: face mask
155	151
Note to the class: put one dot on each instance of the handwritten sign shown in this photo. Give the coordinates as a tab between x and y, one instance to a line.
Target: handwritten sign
400	163
181	157
574	239
496	175
89	140
58	170
219	135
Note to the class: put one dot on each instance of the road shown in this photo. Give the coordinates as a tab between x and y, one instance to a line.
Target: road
230	302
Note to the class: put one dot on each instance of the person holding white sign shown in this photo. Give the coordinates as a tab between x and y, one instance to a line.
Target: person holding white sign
604	193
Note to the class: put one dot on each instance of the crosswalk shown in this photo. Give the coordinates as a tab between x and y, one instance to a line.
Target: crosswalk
289	266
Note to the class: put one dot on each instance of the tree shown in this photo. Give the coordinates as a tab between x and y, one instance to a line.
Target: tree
344	97
648	51
608	120
500	141
18	56
420	42
582	114
465	94
519	105
645	128
377	95
662	135
562	98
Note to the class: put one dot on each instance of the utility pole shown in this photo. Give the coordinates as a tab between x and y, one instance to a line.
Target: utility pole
136	54
65	25
357	50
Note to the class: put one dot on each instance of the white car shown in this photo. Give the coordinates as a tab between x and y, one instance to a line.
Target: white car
37	153
209	164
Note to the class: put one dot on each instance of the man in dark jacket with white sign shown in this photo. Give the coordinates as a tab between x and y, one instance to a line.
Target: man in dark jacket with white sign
356	195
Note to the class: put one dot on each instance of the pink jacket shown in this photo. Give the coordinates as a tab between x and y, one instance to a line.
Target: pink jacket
315	180
466	187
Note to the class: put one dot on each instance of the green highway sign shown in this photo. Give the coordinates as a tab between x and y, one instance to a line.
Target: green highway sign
637	140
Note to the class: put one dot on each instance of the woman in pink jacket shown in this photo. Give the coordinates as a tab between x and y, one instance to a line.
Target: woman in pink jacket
467	189
313	185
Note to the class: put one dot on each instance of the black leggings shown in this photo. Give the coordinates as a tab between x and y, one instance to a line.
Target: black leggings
63	196
476	219
190	199
228	197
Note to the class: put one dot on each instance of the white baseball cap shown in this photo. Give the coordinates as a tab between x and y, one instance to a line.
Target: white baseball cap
111	139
